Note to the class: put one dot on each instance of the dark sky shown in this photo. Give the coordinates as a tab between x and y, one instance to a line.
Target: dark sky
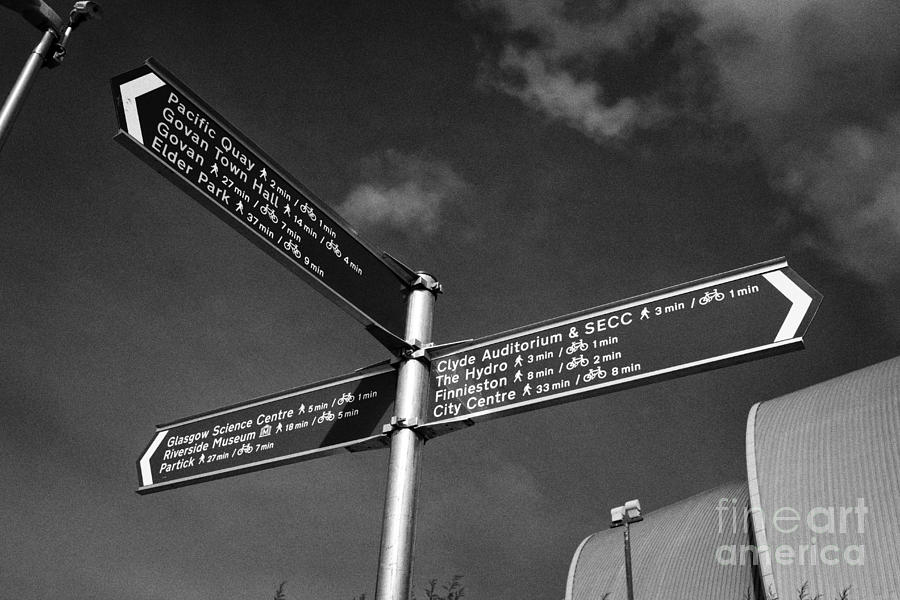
537	158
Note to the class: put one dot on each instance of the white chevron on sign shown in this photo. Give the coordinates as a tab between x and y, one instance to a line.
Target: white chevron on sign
800	303
146	473
131	90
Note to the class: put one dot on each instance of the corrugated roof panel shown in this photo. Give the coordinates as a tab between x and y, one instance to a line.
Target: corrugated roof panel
828	468
683	551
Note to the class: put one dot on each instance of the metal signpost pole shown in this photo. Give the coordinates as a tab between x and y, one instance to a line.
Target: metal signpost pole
39	14
398	527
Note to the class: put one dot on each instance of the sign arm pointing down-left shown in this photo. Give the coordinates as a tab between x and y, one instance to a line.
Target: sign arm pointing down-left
145	474
345	413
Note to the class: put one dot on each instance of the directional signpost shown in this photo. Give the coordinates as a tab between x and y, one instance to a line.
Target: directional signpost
301	424
733	317
169	127
737	316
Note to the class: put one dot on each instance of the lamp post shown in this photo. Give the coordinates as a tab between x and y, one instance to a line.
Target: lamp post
49	52
625	515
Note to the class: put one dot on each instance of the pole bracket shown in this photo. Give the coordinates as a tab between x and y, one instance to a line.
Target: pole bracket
423	352
424	281
56	56
417	351
417	280
400	423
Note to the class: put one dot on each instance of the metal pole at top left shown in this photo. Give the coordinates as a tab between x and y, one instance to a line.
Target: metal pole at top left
49	51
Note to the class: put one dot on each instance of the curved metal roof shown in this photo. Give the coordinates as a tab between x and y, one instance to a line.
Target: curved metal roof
826	461
677	552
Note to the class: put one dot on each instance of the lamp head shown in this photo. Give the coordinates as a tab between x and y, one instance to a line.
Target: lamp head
617	516
633	511
83	11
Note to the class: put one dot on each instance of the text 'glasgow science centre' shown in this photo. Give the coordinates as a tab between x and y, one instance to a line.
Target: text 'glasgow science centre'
285	427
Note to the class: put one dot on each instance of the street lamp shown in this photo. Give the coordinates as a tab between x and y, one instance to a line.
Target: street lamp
625	515
55	38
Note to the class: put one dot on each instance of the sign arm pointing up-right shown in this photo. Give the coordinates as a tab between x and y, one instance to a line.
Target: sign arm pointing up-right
748	313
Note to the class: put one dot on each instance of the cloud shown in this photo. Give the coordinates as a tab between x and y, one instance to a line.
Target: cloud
816	83
567	28
558	94
813	83
403	192
849	184
541	75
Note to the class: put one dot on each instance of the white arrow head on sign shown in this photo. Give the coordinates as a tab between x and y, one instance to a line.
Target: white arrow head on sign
800	302
146	473
130	92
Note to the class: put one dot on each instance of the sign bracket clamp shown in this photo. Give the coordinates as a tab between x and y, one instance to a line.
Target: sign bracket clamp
419	351
416	280
397	423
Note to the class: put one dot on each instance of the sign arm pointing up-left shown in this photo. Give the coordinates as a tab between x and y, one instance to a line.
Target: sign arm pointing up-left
174	131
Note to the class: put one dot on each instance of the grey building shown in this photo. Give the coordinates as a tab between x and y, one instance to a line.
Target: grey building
818	510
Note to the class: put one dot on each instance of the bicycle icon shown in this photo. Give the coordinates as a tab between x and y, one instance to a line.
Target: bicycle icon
308	210
577	361
596	373
245	449
269	212
293	248
711	295
577	346
332	245
326	416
